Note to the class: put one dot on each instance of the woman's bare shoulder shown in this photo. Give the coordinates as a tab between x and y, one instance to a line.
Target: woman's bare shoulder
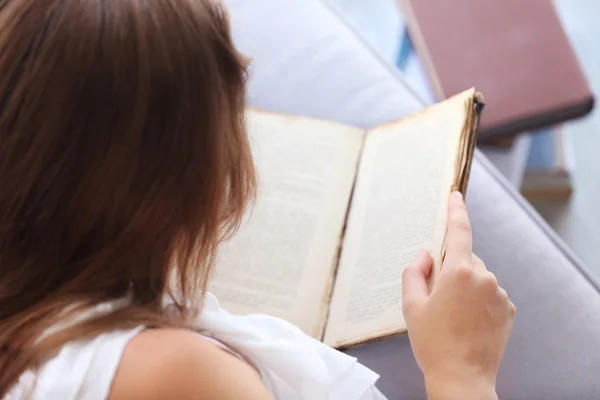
180	364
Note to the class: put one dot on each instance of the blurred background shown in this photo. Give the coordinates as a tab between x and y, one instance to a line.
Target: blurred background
556	166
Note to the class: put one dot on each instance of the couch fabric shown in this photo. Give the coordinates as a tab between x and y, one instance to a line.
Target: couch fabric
306	60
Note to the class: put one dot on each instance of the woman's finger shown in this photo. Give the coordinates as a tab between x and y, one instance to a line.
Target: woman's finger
478	264
459	242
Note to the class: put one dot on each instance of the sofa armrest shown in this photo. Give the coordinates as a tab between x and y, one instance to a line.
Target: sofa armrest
306	60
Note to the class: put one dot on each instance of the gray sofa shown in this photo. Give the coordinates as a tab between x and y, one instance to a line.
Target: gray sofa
306	60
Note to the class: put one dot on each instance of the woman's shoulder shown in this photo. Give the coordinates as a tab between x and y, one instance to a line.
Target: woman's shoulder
181	364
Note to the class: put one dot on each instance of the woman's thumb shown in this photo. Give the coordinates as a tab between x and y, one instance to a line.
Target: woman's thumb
414	282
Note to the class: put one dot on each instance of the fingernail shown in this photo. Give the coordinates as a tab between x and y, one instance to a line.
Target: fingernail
457	196
423	261
422	256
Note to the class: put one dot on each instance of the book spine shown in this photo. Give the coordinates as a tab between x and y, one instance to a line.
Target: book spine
419	43
549	167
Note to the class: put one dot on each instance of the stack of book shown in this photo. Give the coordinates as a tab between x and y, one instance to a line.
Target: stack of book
548	160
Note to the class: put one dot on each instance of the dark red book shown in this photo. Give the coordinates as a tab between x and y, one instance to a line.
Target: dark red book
514	51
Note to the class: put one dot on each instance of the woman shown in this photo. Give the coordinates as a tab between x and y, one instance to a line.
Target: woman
124	162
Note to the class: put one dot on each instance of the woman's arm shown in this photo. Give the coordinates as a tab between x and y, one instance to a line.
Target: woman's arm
459	331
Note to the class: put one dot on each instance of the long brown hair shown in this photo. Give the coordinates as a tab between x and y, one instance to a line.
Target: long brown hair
123	163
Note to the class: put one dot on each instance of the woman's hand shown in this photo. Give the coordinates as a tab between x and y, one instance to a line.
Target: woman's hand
459	331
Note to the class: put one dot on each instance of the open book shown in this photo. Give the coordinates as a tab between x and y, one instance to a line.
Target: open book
341	212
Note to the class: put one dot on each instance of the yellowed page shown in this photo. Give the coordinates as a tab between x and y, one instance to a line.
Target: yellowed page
281	261
399	207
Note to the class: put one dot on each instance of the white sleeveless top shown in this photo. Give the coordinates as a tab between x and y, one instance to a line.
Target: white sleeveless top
293	365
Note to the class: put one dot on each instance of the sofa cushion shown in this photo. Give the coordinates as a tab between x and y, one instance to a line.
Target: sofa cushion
308	61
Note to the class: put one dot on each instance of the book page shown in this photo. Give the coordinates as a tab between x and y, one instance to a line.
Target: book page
399	207
281	261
